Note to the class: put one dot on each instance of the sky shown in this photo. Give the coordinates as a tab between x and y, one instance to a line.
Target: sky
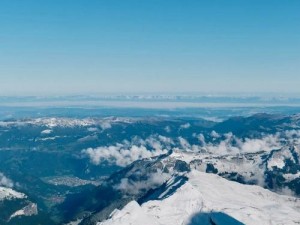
149	46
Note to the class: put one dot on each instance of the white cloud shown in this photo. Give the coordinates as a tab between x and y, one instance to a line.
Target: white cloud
121	154
267	143
105	125
92	129
6	182
184	143
154	143
167	129
46	131
214	134
230	144
126	152
88	138
201	138
287	191
165	140
185	126
134	187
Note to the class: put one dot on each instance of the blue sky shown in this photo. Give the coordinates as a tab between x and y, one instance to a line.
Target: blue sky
95	46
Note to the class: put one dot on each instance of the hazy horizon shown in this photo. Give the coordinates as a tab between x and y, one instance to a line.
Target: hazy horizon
158	93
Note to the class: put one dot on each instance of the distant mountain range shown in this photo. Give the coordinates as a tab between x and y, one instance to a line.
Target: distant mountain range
178	100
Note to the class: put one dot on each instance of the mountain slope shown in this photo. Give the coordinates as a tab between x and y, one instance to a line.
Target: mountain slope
210	199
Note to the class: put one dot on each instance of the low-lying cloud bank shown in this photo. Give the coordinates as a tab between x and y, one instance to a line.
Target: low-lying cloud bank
214	143
230	144
122	154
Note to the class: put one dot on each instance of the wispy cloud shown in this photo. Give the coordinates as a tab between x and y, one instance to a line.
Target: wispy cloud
6	182
185	126
134	187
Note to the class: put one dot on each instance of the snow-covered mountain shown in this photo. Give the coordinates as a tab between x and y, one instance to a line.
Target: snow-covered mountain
66	122
212	200
189	188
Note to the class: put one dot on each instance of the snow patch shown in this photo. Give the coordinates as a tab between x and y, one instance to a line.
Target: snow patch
8	193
